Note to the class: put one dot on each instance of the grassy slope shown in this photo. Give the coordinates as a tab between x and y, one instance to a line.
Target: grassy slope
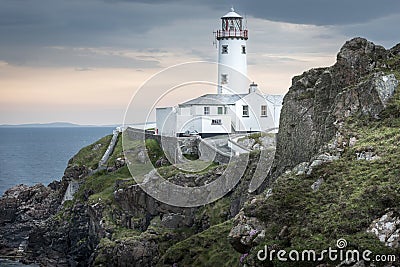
100	187
208	248
90	155
354	192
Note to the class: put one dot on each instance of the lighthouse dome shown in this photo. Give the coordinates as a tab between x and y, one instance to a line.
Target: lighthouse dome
231	14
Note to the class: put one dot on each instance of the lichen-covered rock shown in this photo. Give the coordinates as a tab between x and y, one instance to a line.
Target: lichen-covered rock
387	229
320	99
246	233
315	186
135	252
21	208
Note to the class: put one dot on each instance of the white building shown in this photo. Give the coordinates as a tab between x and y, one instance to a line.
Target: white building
237	107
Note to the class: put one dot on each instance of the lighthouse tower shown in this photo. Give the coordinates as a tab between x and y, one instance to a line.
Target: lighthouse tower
232	58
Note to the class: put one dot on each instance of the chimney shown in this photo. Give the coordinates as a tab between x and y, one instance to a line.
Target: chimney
253	88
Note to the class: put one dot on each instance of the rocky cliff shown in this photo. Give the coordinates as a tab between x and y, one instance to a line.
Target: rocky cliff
335	173
359	83
111	221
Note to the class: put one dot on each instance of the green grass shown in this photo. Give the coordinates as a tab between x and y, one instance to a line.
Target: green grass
172	170
354	193
208	248
191	156
133	147
216	212
90	155
120	233
154	150
102	185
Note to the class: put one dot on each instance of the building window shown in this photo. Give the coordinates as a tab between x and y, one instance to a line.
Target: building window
243	49
216	122
206	110
225	49
264	111
245	111
224	78
220	110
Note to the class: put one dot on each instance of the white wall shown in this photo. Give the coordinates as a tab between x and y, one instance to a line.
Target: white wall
234	64
185	111
166	121
208	127
254	122
203	124
199	110
188	123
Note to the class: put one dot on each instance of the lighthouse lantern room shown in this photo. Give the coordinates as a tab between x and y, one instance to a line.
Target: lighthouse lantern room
232	55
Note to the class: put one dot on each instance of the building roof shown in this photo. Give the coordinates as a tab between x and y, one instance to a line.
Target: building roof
232	14
214	99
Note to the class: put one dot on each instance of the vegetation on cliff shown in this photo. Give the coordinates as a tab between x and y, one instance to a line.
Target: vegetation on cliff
348	179
337	171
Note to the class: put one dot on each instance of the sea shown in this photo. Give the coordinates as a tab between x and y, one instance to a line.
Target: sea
32	155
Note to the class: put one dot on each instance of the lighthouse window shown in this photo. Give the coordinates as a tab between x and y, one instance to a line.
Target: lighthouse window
243	49
224	49
224	78
263	111
245	111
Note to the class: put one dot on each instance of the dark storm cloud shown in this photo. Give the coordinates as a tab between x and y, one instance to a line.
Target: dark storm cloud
322	12
27	26
55	22
316	12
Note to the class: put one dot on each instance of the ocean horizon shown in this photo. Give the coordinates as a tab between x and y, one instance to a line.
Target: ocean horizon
32	155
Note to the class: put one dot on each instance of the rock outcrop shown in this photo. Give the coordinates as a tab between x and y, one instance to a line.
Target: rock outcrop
333	173
387	229
319	100
21	209
110	220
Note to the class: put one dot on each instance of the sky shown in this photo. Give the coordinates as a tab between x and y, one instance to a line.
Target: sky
82	61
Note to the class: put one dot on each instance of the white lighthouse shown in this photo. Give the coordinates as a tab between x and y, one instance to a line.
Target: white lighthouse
238	106
232	58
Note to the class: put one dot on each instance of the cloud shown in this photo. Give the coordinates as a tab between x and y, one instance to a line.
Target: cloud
178	26
383	31
3	64
84	69
84	23
75	57
316	12
321	12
